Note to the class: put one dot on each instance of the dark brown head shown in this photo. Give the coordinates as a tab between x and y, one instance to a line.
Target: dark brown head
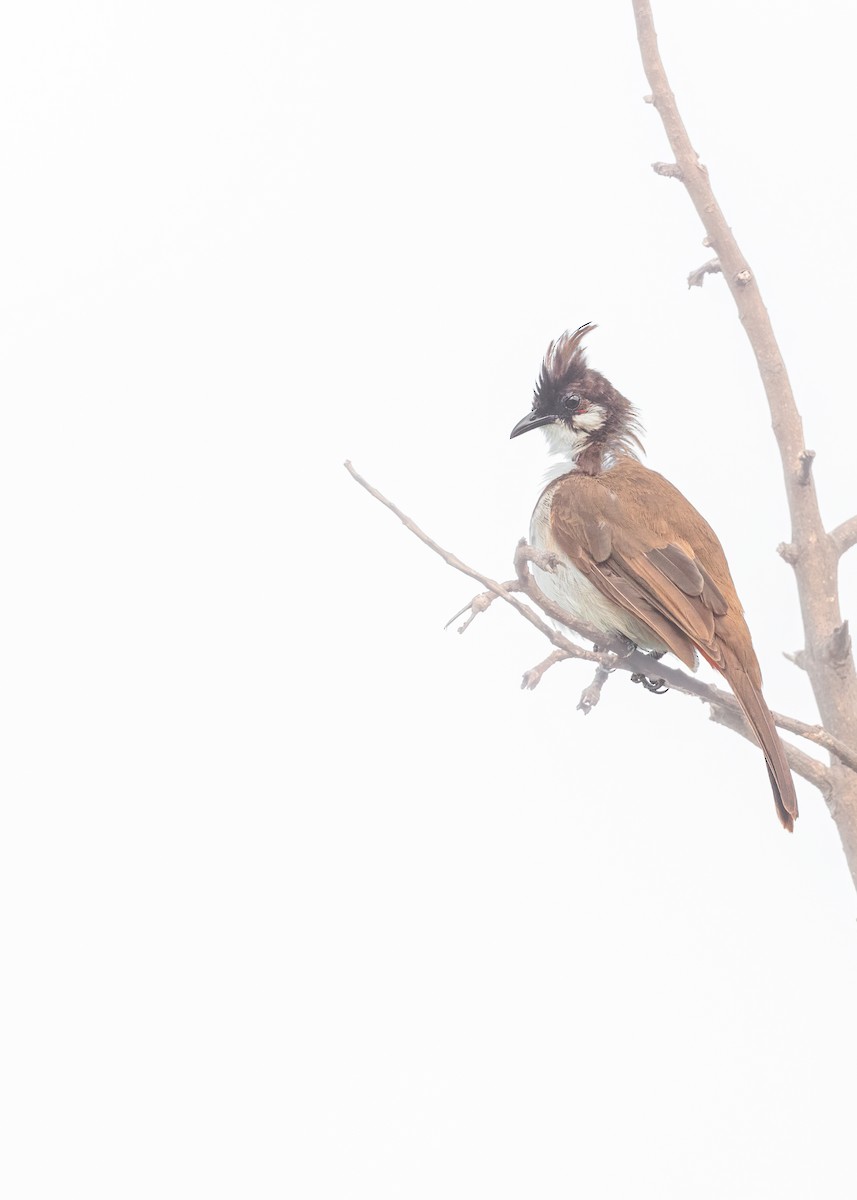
582	414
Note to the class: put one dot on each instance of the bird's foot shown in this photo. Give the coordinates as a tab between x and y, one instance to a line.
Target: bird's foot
657	686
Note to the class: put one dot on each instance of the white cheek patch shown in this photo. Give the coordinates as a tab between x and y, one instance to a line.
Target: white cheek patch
592	419
571	441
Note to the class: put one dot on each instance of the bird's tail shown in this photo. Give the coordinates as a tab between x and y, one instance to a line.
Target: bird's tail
750	697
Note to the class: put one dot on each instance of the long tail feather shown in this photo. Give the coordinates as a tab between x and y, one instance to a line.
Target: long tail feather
761	722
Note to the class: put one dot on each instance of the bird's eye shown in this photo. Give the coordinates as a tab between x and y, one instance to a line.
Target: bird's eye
571	402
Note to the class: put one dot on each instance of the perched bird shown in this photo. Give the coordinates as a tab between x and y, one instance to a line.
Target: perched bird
635	557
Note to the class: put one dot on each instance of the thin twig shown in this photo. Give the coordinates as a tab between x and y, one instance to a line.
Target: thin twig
805	765
696	278
590	695
475	606
532	678
524	554
815	733
680	681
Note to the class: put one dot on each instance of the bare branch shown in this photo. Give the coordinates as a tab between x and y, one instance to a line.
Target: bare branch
802	764
524	554
813	553
532	678
499	589
742	284
475	606
815	733
720	700
712	267
590	695
844	536
837	648
669	170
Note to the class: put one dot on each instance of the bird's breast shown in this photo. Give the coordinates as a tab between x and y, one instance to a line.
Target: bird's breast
569	587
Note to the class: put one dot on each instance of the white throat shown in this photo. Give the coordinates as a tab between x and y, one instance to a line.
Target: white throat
569	442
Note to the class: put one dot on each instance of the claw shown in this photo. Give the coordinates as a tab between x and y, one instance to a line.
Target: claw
657	686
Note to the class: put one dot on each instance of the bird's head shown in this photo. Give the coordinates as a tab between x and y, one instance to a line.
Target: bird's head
583	416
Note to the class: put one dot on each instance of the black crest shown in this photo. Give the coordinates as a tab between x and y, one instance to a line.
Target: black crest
567	386
563	366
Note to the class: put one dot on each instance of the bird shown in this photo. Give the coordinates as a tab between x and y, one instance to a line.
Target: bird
632	555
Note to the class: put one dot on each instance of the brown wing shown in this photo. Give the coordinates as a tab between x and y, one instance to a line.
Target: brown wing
613	540
644	546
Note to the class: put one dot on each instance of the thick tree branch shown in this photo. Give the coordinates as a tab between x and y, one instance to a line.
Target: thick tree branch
811	551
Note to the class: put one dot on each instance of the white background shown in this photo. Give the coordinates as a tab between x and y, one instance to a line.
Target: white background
300	895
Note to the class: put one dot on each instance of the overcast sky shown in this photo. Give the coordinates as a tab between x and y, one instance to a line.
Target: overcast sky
301	895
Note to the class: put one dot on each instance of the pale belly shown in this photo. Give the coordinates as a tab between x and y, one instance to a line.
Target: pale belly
570	589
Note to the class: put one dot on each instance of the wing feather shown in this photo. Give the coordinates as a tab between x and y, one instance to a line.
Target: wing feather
650	577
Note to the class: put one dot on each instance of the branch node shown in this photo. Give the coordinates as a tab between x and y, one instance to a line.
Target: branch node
844	536
836	649
590	696
712	267
669	170
743	277
789	552
475	606
525	553
804	471
649	99
532	678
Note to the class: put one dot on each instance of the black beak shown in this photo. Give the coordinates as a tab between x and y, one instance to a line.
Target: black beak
532	421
